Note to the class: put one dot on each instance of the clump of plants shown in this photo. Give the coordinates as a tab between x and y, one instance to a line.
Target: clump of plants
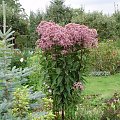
26	106
63	54
90	108
105	58
111	108
20	58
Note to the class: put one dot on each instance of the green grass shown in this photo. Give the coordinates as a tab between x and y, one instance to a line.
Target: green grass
106	86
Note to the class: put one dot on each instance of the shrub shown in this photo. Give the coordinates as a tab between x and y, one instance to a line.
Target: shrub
62	61
20	58
90	108
105	57
111	109
26	106
21	102
35	79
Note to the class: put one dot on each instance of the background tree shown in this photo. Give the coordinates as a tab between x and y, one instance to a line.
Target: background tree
17	18
34	20
58	12
104	24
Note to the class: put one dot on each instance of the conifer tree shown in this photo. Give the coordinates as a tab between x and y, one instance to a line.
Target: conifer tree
58	12
10	79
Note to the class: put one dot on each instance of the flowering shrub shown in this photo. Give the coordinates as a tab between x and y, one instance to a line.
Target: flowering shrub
63	62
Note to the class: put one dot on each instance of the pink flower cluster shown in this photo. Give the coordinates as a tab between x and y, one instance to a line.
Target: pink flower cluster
66	37
78	85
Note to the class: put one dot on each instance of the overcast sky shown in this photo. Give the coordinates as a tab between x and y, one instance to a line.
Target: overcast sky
107	6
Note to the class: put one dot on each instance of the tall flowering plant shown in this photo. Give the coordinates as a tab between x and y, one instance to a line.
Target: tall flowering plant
63	62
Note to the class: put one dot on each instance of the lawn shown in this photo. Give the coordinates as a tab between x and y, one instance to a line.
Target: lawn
105	85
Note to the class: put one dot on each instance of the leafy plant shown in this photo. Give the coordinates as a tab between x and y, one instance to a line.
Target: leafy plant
62	63
90	108
20	102
111	108
105	57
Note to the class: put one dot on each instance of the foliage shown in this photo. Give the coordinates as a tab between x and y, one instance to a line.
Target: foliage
24	107
62	62
90	108
34	19
58	12
15	4
10	78
20	58
20	102
111	109
14	103
17	19
104	24
105	58
35	79
116	16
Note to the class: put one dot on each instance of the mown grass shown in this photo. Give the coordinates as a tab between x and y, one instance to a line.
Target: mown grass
106	86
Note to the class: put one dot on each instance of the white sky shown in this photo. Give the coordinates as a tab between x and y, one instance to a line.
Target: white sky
107	6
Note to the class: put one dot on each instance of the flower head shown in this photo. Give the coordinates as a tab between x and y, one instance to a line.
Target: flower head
78	85
21	59
66	37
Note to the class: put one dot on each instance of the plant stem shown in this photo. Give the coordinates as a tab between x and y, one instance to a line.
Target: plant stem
63	116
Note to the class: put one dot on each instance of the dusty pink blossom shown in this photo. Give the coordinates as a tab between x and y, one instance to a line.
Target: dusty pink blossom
63	52
52	35
78	85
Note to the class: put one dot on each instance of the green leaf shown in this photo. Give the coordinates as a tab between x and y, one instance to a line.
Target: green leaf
59	80
61	89
59	100
58	71
65	95
68	88
70	78
53	83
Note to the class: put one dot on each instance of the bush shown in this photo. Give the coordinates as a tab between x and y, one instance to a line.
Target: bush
105	57
26	106
19	58
35	79
90	108
111	109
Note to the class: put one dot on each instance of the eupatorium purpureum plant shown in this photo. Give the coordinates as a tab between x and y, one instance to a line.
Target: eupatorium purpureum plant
63	61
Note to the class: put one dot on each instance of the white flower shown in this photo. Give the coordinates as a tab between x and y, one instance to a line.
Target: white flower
21	60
